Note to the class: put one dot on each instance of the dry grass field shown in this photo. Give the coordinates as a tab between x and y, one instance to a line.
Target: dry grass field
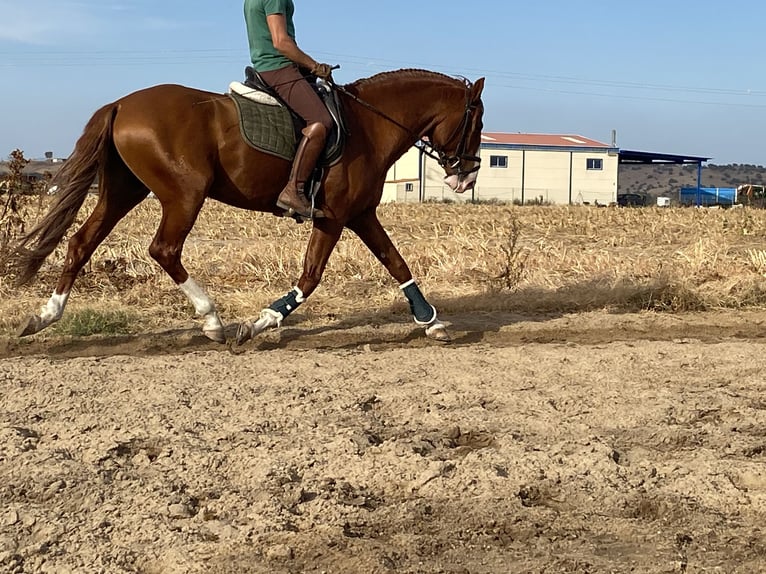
600	410
491	257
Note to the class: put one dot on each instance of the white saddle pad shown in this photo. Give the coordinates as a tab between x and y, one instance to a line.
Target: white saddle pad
251	94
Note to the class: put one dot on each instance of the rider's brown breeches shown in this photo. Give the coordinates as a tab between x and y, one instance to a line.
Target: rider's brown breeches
293	88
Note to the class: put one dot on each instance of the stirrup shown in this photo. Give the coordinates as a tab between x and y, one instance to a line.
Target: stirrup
313	213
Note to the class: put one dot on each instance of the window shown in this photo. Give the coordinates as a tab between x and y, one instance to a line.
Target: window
409	187
595	163
498	161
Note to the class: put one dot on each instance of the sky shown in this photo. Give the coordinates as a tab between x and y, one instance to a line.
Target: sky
668	76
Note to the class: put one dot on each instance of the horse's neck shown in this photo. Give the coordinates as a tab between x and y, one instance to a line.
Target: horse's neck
410	107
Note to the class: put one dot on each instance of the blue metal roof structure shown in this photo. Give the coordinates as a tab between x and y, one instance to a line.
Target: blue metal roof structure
646	157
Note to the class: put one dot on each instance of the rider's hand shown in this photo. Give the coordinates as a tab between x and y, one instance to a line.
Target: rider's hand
323	71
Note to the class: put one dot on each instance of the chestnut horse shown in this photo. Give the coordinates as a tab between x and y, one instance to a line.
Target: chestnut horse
185	145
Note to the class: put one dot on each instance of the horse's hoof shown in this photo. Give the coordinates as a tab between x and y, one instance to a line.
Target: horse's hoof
438	332
32	326
216	335
268	319
244	332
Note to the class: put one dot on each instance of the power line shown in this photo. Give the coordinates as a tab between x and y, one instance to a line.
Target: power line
638	98
570	79
236	55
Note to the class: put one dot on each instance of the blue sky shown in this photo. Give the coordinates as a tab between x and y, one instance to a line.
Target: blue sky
682	77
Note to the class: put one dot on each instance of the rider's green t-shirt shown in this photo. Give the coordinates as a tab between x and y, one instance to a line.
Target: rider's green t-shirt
264	56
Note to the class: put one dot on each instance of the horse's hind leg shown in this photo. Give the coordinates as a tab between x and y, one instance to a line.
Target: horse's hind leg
178	217
119	192
371	232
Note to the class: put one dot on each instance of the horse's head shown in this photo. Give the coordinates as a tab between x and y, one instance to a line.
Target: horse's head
457	138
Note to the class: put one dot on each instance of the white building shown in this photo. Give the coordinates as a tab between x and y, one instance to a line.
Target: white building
518	168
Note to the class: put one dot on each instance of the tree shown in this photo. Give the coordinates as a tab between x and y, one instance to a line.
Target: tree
14	181
17	204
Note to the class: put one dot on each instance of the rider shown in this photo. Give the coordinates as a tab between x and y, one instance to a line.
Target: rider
277	58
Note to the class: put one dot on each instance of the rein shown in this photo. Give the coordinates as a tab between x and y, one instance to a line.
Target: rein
454	161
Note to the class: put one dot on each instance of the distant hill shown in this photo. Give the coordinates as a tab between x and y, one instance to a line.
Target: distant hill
667	180
36	167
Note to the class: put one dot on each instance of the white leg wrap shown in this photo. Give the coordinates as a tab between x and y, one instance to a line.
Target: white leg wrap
204	307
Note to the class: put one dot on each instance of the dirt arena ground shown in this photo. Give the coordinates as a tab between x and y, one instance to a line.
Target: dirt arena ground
595	442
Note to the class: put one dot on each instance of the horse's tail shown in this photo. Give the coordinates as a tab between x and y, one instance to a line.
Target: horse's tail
76	177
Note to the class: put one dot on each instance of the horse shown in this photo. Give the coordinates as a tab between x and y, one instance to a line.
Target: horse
184	145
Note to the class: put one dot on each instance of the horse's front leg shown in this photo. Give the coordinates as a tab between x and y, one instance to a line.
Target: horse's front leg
324	237
371	232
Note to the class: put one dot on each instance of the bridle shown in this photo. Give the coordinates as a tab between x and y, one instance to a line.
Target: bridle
452	162
455	162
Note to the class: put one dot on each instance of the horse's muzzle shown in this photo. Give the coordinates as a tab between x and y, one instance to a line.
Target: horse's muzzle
461	185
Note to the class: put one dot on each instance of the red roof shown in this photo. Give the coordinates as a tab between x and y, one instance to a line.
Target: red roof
557	140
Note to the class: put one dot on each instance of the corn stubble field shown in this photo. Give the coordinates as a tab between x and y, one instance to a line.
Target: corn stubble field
483	257
601	408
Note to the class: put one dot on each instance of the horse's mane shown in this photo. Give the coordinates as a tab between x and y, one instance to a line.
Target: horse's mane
399	74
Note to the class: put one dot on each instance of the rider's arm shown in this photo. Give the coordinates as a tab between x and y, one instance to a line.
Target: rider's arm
285	44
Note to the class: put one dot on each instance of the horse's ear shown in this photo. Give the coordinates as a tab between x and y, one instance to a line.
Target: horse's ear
476	89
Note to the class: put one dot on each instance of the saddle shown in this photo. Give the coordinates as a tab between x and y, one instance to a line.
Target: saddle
268	124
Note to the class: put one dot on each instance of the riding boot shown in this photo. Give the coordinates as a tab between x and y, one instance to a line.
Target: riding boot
293	198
